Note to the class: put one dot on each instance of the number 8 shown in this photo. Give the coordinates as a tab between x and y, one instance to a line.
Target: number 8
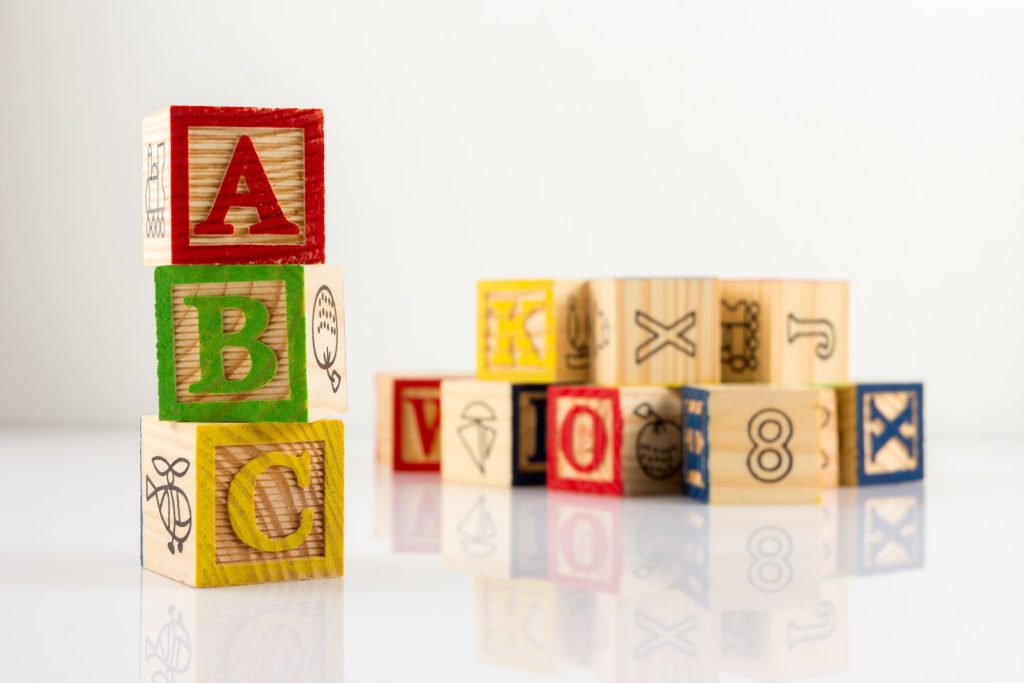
770	459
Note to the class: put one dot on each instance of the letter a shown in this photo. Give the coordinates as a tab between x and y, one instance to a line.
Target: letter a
245	164
213	341
511	333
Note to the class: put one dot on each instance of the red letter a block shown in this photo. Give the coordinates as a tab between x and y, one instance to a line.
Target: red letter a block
233	185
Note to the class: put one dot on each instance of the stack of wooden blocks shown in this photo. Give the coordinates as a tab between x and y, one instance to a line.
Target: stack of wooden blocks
727	391
241	472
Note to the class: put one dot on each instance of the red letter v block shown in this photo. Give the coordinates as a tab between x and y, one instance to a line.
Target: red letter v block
245	163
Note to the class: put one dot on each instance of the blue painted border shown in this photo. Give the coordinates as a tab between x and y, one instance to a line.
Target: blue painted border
893	477
520	478
691	460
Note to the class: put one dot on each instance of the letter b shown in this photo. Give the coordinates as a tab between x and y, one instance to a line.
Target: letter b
213	340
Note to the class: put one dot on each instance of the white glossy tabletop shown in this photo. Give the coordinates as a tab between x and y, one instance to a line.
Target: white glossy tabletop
454	583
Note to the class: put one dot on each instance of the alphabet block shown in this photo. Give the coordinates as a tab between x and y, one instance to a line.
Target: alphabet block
785	331
233	185
250	343
654	331
409	422
881	433
228	504
190	636
624	441
532	331
752	444
828	413
493	432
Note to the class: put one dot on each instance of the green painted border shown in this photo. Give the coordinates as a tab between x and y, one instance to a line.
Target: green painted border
293	409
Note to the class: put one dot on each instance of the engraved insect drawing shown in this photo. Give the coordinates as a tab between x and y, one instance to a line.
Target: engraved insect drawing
171	501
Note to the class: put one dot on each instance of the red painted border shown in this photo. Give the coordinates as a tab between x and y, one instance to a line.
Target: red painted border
312	123
614	487
398	463
561	510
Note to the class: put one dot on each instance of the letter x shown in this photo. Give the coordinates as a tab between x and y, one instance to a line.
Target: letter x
662	335
891	429
658	634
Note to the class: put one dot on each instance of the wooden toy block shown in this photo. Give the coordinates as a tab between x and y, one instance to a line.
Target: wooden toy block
233	185
598	543
785	331
617	441
496	532
409	421
250	343
655	637
881	433
828	414
532	331
654	331
763	557
516	623
415	513
752	444
275	632
493	432
882	529
789	644
227	504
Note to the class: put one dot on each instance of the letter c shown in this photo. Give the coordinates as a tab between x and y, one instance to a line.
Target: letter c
242	502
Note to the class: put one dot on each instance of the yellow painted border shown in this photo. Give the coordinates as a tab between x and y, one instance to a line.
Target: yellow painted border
550	370
208	437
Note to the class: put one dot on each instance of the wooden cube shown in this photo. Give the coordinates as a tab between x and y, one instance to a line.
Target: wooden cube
233	185
227	504
789	644
532	331
752	444
276	632
250	343
496	532
654	331
625	441
409	421
785	331
493	432
828	413
881	433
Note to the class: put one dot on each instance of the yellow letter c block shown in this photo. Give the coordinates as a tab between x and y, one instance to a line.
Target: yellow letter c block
242	502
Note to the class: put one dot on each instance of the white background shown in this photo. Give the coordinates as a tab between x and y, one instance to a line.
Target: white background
880	141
